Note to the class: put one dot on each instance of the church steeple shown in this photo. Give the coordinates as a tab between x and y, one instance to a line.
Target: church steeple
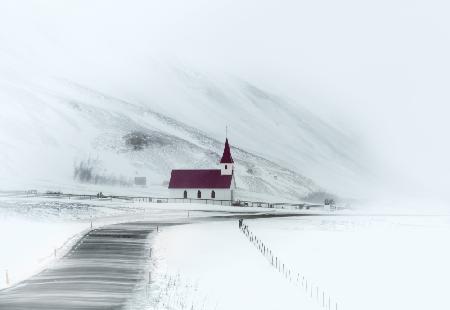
226	163
226	157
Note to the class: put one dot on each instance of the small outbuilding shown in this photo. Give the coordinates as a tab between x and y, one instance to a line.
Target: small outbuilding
141	181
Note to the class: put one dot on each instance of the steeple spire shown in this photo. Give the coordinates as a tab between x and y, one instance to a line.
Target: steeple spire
226	157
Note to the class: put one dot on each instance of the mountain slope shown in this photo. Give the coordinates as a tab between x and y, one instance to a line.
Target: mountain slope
57	133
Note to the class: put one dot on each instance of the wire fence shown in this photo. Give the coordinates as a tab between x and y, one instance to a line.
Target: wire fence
311	289
156	199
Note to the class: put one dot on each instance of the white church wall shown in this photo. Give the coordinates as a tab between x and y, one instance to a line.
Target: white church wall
221	194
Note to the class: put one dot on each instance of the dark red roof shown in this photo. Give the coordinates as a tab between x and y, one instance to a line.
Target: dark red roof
226	157
210	178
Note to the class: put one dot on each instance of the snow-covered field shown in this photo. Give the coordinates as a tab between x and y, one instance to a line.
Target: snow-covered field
213	266
205	262
362	262
27	246
367	262
31	229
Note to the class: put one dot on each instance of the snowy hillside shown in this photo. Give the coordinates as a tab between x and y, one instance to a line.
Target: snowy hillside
56	132
62	131
81	117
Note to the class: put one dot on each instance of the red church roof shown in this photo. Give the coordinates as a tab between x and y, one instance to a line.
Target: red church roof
206	178
226	157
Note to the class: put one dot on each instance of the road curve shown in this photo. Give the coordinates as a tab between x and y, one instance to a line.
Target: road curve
100	272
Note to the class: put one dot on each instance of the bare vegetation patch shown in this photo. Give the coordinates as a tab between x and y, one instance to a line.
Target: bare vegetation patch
86	171
138	140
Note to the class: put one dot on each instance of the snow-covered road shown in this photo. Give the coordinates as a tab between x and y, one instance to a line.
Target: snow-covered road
100	272
200	259
108	267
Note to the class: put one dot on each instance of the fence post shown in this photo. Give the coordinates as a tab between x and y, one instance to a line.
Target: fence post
287	272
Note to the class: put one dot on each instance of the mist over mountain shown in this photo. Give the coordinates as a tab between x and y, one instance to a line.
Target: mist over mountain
62	132
308	107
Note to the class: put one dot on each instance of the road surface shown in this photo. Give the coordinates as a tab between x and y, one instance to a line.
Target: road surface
100	272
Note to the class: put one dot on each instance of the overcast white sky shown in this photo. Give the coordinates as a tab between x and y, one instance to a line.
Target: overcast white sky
381	67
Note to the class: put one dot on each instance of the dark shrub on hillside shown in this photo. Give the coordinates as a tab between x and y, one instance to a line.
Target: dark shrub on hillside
85	171
138	140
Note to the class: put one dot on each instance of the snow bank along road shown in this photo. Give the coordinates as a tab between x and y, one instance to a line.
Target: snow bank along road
100	272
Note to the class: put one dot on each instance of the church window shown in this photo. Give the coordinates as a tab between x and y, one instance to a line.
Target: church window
199	194
213	194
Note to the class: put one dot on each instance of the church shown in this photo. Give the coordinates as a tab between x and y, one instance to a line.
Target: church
216	184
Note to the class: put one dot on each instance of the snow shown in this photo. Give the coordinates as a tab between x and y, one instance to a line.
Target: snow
367	262
204	261
112	210
213	266
31	228
53	119
63	105
51	122
27	246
